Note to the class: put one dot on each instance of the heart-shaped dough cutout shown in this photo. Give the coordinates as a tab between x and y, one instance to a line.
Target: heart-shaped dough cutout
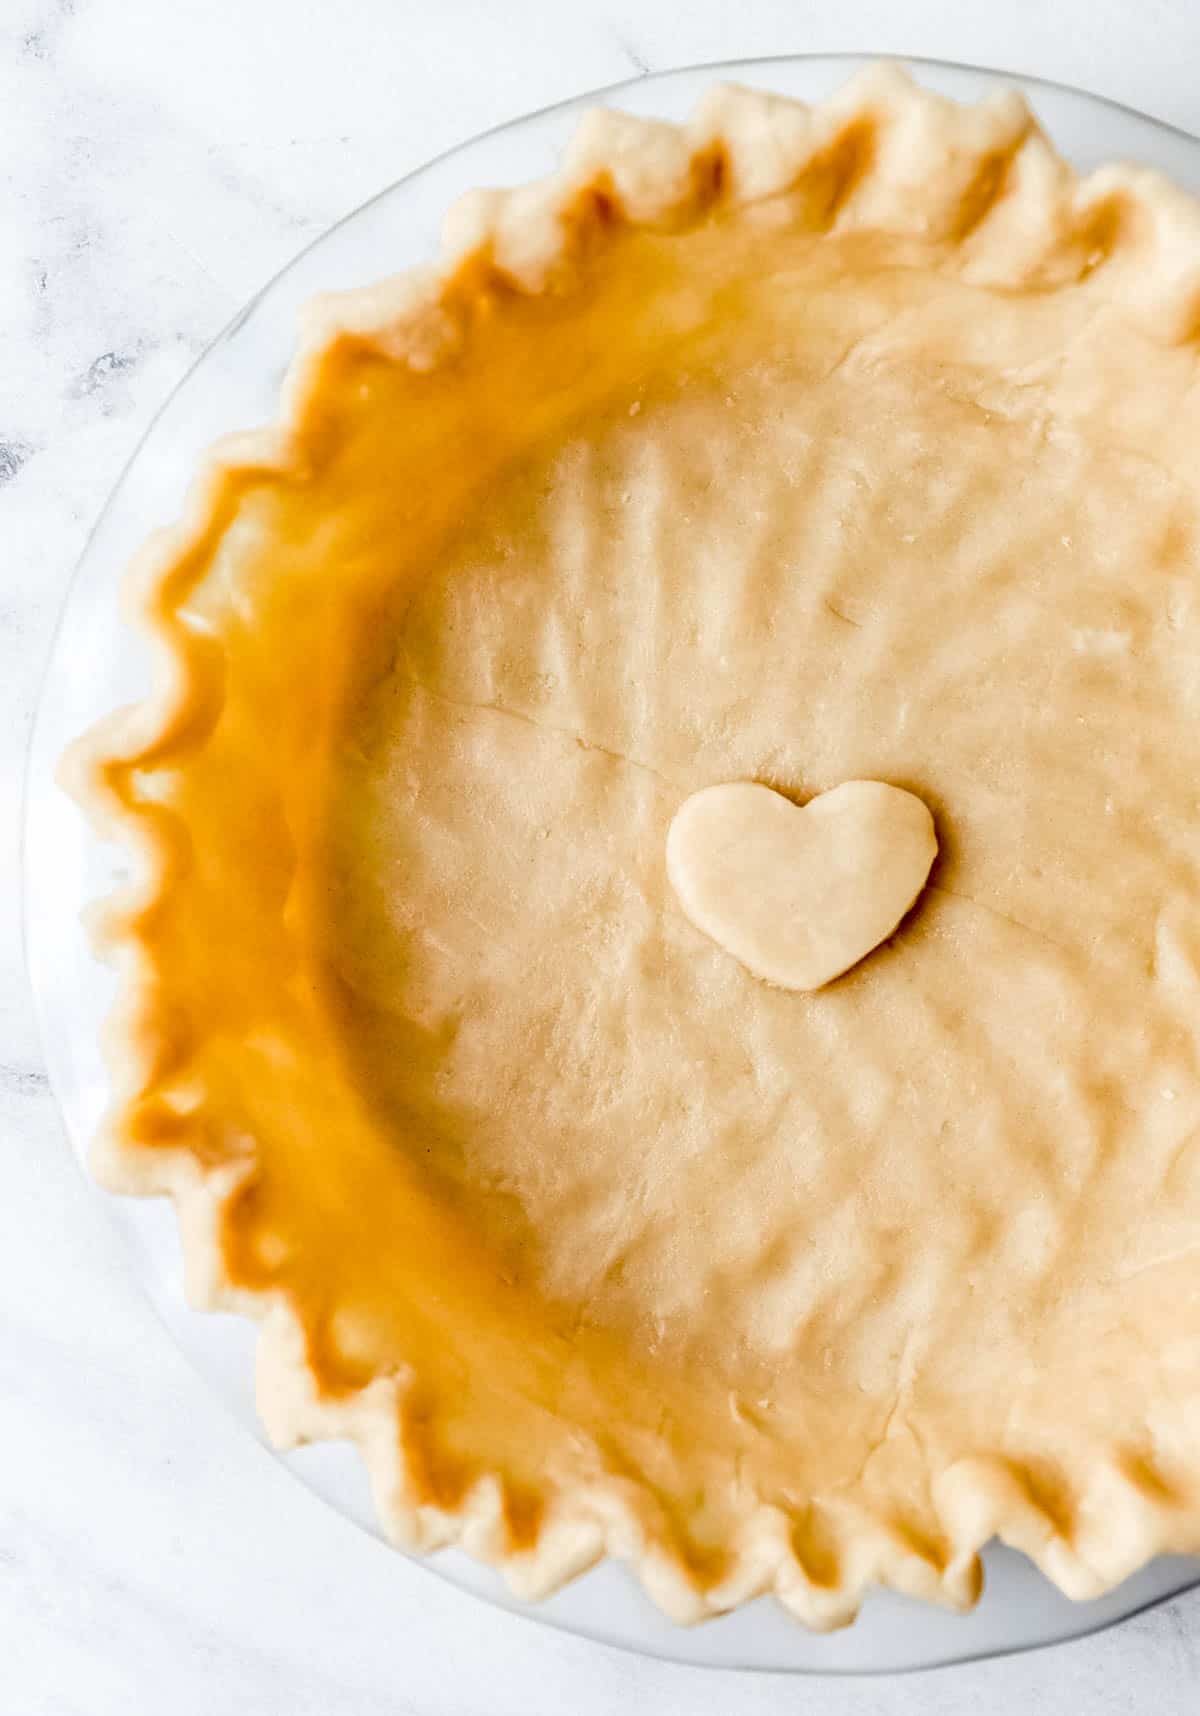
798	893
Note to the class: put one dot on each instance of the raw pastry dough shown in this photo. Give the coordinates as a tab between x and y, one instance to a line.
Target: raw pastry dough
799	895
799	446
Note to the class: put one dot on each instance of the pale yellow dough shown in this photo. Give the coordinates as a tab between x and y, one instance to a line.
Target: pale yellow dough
801	448
799	895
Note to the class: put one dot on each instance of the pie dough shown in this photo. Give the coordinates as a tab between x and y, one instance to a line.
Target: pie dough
794	446
799	895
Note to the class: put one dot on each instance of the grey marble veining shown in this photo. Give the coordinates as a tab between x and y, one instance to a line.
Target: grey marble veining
157	162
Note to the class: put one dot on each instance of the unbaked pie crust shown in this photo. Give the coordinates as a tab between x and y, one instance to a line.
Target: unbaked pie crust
798	446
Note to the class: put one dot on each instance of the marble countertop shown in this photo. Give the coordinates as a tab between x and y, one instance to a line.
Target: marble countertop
160	160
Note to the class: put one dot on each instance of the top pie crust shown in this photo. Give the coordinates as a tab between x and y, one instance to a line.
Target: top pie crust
798	445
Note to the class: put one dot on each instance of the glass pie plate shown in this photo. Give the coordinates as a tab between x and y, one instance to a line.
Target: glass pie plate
97	663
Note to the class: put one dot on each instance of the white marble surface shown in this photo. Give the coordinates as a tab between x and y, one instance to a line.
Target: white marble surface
160	159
